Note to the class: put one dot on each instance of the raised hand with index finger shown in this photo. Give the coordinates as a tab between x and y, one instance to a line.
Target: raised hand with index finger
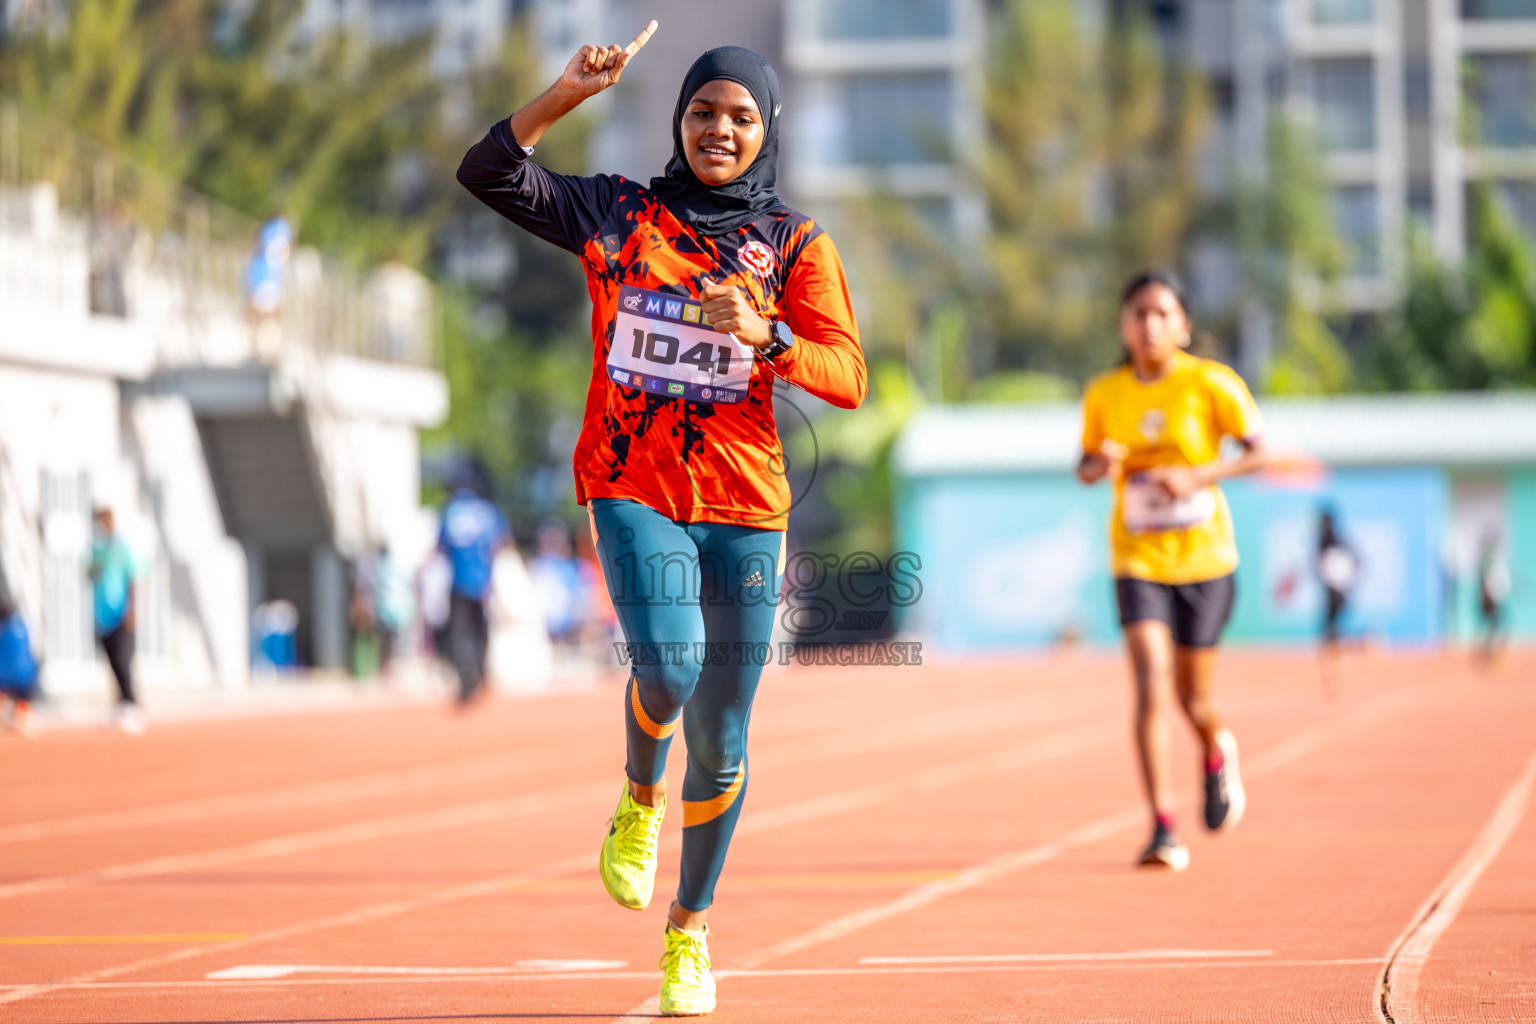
595	68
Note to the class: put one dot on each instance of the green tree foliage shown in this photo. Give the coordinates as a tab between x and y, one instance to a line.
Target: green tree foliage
1089	171
1086	169
1293	259
358	145
236	108
1466	327
1502	270
516	347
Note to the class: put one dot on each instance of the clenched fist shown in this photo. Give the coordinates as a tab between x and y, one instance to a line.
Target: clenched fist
729	312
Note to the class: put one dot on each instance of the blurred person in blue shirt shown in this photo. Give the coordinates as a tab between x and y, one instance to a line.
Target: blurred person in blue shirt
18	666
264	273
113	571
473	531
557	576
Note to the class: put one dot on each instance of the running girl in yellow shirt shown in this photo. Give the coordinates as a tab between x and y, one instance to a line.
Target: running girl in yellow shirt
1154	426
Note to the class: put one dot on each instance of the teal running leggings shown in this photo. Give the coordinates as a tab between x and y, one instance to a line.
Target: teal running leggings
696	601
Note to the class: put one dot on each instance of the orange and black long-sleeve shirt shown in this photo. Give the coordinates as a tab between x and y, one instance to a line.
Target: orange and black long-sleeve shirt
678	418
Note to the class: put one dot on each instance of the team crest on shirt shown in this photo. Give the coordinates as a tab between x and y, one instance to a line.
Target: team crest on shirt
1152	423
759	257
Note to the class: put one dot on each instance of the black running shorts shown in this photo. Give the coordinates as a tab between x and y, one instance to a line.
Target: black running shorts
1195	612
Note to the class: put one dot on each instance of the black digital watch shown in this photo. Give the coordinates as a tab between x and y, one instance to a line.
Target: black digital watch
783	340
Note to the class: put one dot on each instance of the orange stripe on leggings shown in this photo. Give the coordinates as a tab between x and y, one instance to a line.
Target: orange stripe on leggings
698	812
652	729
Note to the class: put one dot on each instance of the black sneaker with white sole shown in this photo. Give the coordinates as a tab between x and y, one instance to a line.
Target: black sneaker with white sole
1225	799
1166	850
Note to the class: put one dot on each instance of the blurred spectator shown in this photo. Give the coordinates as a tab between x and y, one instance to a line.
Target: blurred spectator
112	237
520	653
264	274
382	608
600	622
265	283
275	630
400	310
394	604
473	531
18	665
435	585
113	573
367	639
1494	584
1337	570
558	580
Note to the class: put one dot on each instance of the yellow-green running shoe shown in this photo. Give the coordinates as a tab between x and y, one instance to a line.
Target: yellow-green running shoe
628	860
687	987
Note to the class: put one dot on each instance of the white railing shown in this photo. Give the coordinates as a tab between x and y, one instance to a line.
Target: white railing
86	230
21	545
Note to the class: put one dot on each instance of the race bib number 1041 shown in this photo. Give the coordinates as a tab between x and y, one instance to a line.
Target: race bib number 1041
661	345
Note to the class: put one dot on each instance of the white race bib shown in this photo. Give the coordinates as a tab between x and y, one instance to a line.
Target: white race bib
661	346
1147	508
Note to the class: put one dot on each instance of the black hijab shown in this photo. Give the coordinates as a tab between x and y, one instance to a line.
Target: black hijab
721	210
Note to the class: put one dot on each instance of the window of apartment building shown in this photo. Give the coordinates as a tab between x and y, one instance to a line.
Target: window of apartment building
1421	204
880	19
1502	88
1418	88
1343	12
1344	98
1358	221
1492	9
887	119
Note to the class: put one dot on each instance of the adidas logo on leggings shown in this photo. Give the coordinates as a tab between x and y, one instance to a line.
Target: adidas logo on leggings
755	580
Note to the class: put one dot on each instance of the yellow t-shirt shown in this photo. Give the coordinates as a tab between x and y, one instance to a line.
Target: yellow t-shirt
1179	419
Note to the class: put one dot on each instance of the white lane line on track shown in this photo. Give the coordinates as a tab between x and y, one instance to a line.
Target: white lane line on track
484	811
1033	711
837	742
247	972
930	780
931	892
648	1010
1399	984
282	984
477	813
1009	758
361	915
314	794
1030	958
1287	752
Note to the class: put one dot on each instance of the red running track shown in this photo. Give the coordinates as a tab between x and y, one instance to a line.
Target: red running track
946	842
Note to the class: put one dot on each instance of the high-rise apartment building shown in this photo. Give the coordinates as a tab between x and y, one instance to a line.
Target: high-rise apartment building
1412	103
466	33
878	96
886	100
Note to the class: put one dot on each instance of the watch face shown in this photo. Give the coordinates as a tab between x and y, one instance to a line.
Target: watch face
782	334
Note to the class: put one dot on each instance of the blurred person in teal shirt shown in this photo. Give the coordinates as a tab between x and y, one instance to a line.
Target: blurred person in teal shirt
113	571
